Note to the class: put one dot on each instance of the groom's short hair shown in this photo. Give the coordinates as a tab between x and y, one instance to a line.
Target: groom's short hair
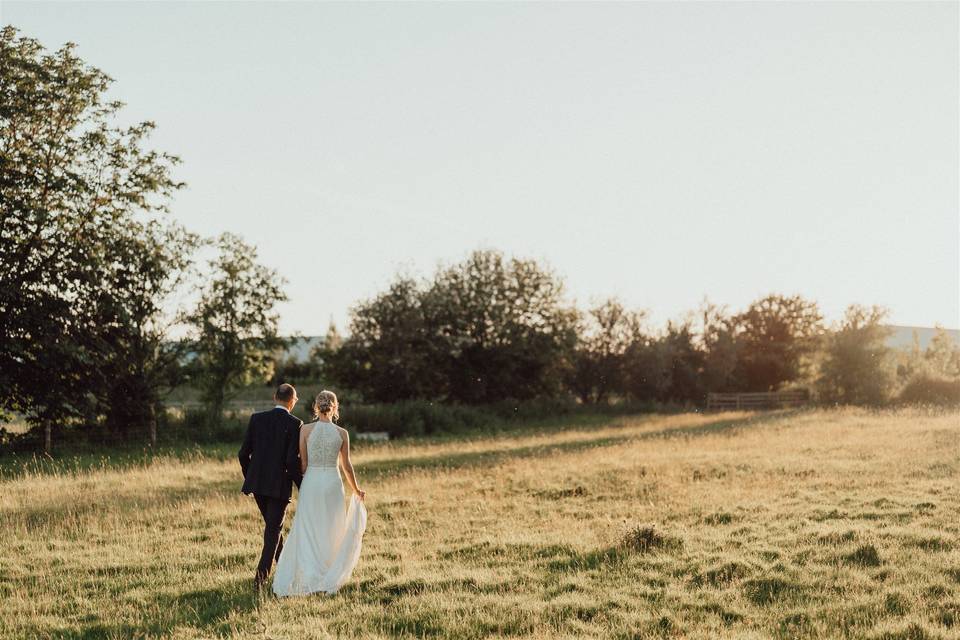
284	392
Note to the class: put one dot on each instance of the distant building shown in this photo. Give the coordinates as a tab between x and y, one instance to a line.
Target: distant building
303	347
902	337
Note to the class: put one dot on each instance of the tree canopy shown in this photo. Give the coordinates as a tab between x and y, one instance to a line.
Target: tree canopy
91	262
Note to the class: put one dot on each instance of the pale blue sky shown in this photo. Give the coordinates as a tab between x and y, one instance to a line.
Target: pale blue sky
658	152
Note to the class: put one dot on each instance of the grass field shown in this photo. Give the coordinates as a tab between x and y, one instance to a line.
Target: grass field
842	523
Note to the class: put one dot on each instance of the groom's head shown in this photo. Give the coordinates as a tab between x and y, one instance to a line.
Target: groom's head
286	395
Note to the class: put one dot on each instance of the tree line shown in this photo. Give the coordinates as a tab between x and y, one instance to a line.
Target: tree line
107	303
494	328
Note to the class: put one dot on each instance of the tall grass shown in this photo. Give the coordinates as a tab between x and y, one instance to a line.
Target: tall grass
801	524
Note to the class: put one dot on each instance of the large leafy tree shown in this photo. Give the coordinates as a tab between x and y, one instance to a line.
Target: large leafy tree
389	354
857	367
666	367
235	323
141	305
483	330
720	348
776	336
648	367
599	364
69	177
504	326
686	363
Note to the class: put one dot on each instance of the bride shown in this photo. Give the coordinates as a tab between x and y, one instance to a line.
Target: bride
324	541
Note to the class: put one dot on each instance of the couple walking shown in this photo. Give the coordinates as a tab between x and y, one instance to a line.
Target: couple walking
323	545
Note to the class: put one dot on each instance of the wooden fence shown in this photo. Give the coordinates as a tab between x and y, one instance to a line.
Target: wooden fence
757	400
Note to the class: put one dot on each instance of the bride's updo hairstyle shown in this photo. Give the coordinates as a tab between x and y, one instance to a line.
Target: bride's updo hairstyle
324	403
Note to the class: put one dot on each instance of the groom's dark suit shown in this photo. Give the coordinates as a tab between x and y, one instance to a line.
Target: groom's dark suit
270	462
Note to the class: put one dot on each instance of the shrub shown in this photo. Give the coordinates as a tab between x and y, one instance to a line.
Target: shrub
857	366
930	389
646	538
865	555
414	418
423	417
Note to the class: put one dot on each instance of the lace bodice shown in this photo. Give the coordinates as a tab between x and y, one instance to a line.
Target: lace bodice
323	445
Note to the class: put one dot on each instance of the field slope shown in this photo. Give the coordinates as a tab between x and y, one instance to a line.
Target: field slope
842	523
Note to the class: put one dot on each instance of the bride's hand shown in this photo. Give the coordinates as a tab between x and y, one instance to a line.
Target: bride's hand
360	493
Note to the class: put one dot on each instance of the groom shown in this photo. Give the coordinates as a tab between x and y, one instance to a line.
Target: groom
270	462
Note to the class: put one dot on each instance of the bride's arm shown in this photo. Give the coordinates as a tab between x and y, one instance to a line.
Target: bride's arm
303	448
348	465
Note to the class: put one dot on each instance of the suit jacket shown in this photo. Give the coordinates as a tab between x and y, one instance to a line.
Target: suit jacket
270	455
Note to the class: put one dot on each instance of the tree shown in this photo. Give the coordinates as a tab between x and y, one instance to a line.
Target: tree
667	367
647	369
68	178
718	342
314	366
776	334
505	330
389	354
137	315
910	361
234	324
332	339
942	355
483	330
857	368
930	376
686	363
598	367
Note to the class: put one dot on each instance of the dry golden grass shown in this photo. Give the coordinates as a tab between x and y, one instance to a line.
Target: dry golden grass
842	523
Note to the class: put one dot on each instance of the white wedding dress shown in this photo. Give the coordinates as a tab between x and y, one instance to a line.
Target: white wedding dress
323	546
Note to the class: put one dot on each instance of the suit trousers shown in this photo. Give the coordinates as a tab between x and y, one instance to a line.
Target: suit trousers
272	510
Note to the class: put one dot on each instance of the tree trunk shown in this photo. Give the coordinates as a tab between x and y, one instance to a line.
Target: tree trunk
215	408
152	418
48	437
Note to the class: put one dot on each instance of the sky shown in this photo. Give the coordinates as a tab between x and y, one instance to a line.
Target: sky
659	152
